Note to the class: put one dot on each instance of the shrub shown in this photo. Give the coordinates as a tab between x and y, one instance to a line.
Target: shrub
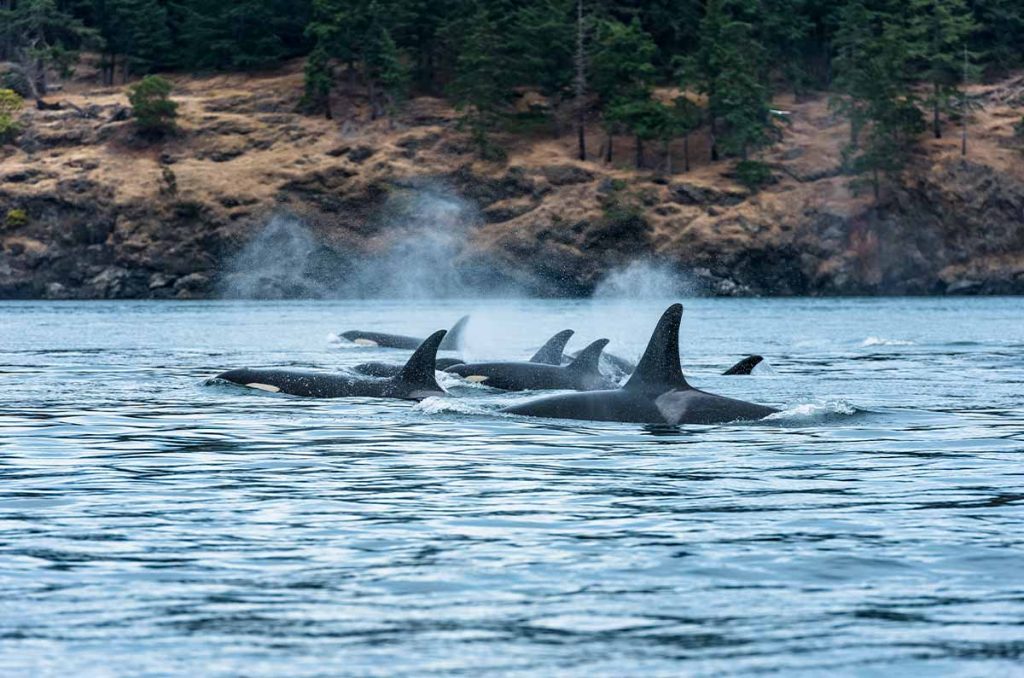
151	105
10	104
1018	129
753	174
16	218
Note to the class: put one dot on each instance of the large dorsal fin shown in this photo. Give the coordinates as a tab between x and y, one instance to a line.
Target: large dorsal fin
587	361
745	366
551	352
419	371
453	340
659	367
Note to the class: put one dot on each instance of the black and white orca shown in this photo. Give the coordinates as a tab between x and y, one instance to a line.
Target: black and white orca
582	374
383	369
656	393
451	341
416	380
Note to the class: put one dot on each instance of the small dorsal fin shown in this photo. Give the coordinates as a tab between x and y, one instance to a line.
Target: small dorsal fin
745	366
453	340
659	367
551	352
419	371
588	360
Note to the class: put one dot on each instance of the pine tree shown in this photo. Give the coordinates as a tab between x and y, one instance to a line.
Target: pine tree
728	68
45	36
1000	33
940	30
483	79
686	117
874	74
386	76
622	74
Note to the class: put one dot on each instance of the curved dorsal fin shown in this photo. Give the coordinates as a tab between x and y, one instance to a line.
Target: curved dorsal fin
659	367
588	359
453	340
745	366
551	352
419	371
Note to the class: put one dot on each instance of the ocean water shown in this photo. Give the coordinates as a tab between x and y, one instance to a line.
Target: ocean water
153	524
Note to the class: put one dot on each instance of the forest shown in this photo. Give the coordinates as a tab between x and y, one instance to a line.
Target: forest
893	68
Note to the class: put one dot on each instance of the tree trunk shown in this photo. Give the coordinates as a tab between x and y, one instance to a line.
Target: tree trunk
935	112
581	83
714	138
581	138
639	153
668	158
608	149
686	152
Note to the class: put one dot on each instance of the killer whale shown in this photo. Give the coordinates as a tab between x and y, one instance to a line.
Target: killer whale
656	393
415	381
745	366
383	369
621	367
384	340
580	375
551	352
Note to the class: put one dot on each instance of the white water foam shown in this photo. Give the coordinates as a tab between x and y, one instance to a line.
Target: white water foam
813	411
440	405
883	341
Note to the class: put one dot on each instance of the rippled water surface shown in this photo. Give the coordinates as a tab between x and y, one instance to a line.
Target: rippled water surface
150	523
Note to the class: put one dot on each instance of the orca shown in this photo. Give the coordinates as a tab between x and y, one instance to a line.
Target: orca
656	393
745	366
382	369
415	381
451	341
623	367
551	352
580	375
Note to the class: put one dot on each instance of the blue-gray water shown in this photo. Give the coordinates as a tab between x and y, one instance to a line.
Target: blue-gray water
151	524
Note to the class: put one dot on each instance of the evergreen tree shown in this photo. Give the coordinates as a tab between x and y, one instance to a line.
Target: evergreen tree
686	117
387	77
152	107
728	68
134	30
940	30
873	71
1000	33
622	74
44	36
483	79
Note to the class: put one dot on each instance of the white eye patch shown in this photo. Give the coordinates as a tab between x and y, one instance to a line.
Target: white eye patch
477	378
364	342
264	387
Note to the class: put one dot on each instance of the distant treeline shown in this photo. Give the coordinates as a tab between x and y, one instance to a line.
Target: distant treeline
892	64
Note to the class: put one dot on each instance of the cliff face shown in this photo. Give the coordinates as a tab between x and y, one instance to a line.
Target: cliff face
106	216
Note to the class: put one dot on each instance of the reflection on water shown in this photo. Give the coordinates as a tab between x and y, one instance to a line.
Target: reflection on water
152	524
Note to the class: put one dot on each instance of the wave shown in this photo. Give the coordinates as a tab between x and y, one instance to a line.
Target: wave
441	405
883	341
806	412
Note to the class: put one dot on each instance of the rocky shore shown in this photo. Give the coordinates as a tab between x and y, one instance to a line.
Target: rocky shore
87	210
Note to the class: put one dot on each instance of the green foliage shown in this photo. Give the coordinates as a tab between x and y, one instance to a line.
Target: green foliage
152	106
483	81
875	75
10	104
16	218
42	35
1018	129
753	174
728	67
938	34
